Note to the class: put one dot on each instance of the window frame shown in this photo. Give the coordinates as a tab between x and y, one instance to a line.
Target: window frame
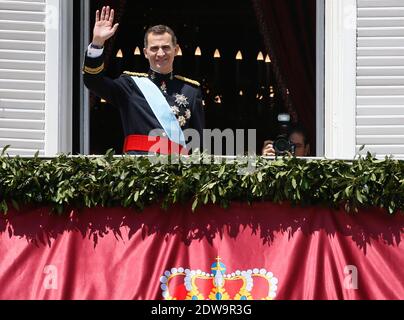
335	87
58	77
340	78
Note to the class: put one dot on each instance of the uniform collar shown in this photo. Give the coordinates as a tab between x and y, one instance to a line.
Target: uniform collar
157	77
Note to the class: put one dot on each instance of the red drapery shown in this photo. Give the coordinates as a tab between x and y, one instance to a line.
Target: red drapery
278	251
289	31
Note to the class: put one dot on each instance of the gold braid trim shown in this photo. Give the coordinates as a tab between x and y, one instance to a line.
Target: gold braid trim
195	83
136	74
94	70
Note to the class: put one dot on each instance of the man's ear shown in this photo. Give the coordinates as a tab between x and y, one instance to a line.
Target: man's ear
145	53
177	48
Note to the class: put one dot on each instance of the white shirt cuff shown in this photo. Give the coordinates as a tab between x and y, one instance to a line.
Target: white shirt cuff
94	53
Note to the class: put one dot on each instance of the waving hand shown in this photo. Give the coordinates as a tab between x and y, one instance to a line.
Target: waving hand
104	27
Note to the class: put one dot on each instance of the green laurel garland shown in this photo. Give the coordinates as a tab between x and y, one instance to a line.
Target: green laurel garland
110	181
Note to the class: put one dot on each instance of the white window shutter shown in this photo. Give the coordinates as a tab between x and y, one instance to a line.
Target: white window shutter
380	77
22	76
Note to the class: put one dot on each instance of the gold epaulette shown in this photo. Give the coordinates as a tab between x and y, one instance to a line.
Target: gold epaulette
93	70
136	74
195	83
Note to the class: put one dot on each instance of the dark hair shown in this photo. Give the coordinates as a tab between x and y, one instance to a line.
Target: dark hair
160	29
296	128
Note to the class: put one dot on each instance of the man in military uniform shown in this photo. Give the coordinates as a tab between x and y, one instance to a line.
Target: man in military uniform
157	101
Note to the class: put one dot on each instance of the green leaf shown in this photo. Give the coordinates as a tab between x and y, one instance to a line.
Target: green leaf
110	154
211	185
298	196
222	171
89	182
3	207
4	150
348	191
131	183
120	185
136	196
194	204
359	196
206	200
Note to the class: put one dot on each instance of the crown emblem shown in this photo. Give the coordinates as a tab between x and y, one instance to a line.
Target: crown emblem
186	284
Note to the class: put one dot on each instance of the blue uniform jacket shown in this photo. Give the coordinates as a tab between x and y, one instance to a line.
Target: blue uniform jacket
183	95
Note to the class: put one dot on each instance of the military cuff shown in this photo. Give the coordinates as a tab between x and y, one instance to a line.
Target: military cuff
93	65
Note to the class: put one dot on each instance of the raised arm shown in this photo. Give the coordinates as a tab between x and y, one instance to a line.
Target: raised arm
94	76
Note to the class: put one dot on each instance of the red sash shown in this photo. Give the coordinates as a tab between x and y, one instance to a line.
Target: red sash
151	144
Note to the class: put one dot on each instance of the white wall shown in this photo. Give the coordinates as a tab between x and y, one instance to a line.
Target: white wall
35	76
340	78
22	76
59	68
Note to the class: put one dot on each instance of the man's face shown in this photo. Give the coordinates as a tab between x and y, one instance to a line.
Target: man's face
302	150
161	52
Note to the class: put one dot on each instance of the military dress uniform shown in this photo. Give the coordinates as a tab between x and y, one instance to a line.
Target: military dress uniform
183	95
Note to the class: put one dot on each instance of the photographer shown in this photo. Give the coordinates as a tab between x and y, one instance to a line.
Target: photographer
297	136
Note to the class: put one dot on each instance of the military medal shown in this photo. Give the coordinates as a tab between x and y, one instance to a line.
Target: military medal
181	110
163	87
181	100
182	121
175	110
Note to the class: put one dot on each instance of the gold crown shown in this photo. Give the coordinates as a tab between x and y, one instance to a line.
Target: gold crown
186	284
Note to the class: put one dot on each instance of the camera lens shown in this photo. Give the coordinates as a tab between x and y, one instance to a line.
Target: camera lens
281	145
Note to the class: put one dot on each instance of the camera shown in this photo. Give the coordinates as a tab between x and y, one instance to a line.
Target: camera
282	144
